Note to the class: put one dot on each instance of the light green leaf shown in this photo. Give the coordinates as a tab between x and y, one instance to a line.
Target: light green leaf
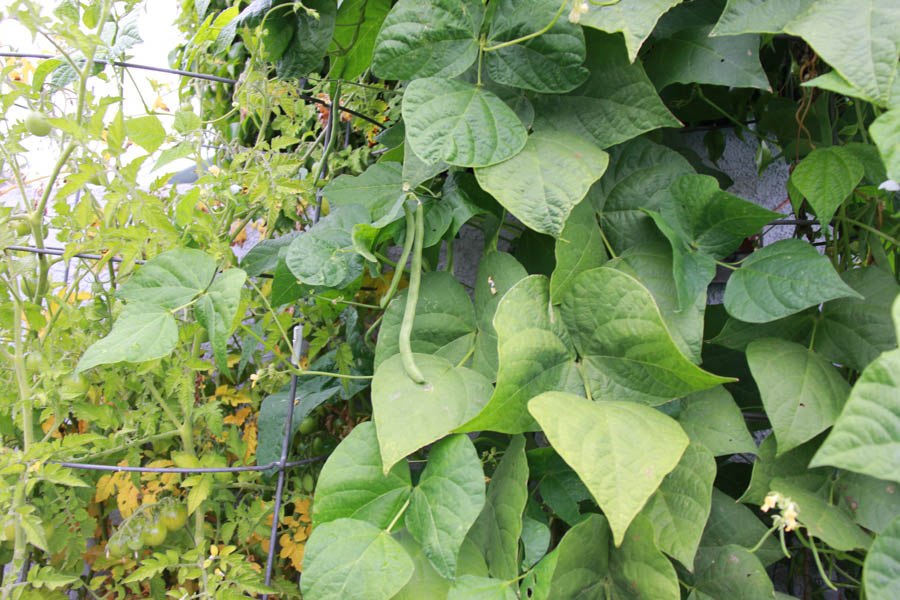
353	559
199	492
733	523
881	572
866	436
416	171
311	37
758	16
635	20
854	332
497	273
146	132
860	40
171	279
425	581
872	503
409	415
793	465
680	507
446	501
536	582
581	561
885	131
536	538
356	27
472	587
324	254
802	392
548	63
579	248
617	103
536	355
731	572
822	519
627	352
638	569
424	39
180	150
780	280
216	309
496	531
460	123
737	334
541	184
826	177
713	419
378	189
596	439
444	324
142	332
352	483
637	178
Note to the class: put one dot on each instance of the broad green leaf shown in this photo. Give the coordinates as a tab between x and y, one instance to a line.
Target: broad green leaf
679	509
826	177
731	572
171	279
312	35
854	332
444	324
730	522
541	184
536	582
409	415
353	559
860	40
497	273
216	310
710	220
356	26
548	63
462	193
638	569
425	581
866	436
460	123
626	349
885	131
780	280
690	56
417	171
579	248
580	561
559	485
446	501
324	254
597	438
793	465
352	483
713	419
146	132
379	188
472	587
737	334
651	264
634	19
881	571
637	178
199	492
872	503
496	531
802	392
142	332
424	39
180	150
758	16
617	102
822	519
536	355
535	539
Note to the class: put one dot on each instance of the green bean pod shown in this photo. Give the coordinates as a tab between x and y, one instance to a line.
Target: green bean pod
407	248
412	298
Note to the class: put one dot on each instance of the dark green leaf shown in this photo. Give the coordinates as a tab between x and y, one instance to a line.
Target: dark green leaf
311	38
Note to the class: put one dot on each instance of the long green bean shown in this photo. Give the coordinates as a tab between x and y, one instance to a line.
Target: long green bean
407	248
412	298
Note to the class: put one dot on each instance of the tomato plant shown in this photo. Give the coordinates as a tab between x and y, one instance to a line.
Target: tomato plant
634	383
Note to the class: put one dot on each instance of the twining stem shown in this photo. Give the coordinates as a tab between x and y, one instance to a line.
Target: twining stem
412	299
525	38
871	229
404	256
398	515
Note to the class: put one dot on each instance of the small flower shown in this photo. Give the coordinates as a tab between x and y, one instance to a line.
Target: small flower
254	378
577	10
771	501
889	185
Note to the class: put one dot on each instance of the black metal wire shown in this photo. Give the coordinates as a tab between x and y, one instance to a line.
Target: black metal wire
272	465
197	75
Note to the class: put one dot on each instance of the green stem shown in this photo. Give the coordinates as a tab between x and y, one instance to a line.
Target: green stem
163	405
731	118
412	299
398	515
467	356
815	553
269	308
861	122
449	266
584	380
763	539
609	248
525	38
340	300
870	229
333	120
404	256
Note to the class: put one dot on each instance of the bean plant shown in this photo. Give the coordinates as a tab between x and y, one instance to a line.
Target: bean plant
649	387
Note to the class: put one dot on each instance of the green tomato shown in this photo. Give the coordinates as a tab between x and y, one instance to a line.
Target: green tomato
186	107
115	548
23	228
135	542
318	446
33	362
154	534
173	517
309	483
74	387
36	123
309	425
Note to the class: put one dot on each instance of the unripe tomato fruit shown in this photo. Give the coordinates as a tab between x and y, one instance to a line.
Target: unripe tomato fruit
308	483
34	361
186	107
135	542
74	387
23	228
173	517
309	424
115	548
36	124
154	534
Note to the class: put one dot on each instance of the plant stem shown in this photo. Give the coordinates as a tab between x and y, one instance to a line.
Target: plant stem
871	229
329	144
525	38
398	515
412	299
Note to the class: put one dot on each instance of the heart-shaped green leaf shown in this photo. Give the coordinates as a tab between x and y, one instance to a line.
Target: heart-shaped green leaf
758	16
579	248
881	571
596	439
216	309
733	523
731	572
638	569
826	177
378	189
713	419
311	35
634	20
497	273
142	332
